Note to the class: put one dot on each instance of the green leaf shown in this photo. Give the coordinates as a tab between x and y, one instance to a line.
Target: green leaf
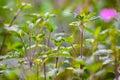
12	28
58	40
37	61
51	27
11	75
90	15
94	18
95	67
80	61
97	31
63	54
3	66
89	30
18	3
76	23
25	29
69	39
26	5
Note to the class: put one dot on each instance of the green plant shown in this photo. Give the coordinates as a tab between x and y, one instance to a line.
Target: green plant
35	45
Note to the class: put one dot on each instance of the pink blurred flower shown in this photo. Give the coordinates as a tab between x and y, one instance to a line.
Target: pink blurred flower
78	10
108	14
59	2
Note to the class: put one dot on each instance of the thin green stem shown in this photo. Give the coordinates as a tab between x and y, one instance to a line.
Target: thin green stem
37	72
81	39
3	42
56	62
57	58
30	56
3	19
25	49
49	38
116	65
44	65
44	68
81	43
74	49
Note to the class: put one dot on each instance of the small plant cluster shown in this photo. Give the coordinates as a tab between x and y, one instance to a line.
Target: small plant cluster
44	54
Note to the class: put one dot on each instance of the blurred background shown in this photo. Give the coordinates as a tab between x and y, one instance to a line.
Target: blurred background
65	11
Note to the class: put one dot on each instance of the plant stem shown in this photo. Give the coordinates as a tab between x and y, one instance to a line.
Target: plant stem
3	19
49	39
44	67
74	49
25	49
116	65
30	57
3	42
57	58
56	62
81	44
81	39
37	72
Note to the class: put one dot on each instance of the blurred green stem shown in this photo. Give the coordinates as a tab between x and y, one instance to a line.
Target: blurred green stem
3	19
81	39
49	38
30	56
57	58
74	49
44	68
114	49
37	72
56	63
81	43
45	43
25	49
116	64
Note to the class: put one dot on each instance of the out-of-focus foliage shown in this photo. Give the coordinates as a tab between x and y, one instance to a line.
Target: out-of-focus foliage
59	40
